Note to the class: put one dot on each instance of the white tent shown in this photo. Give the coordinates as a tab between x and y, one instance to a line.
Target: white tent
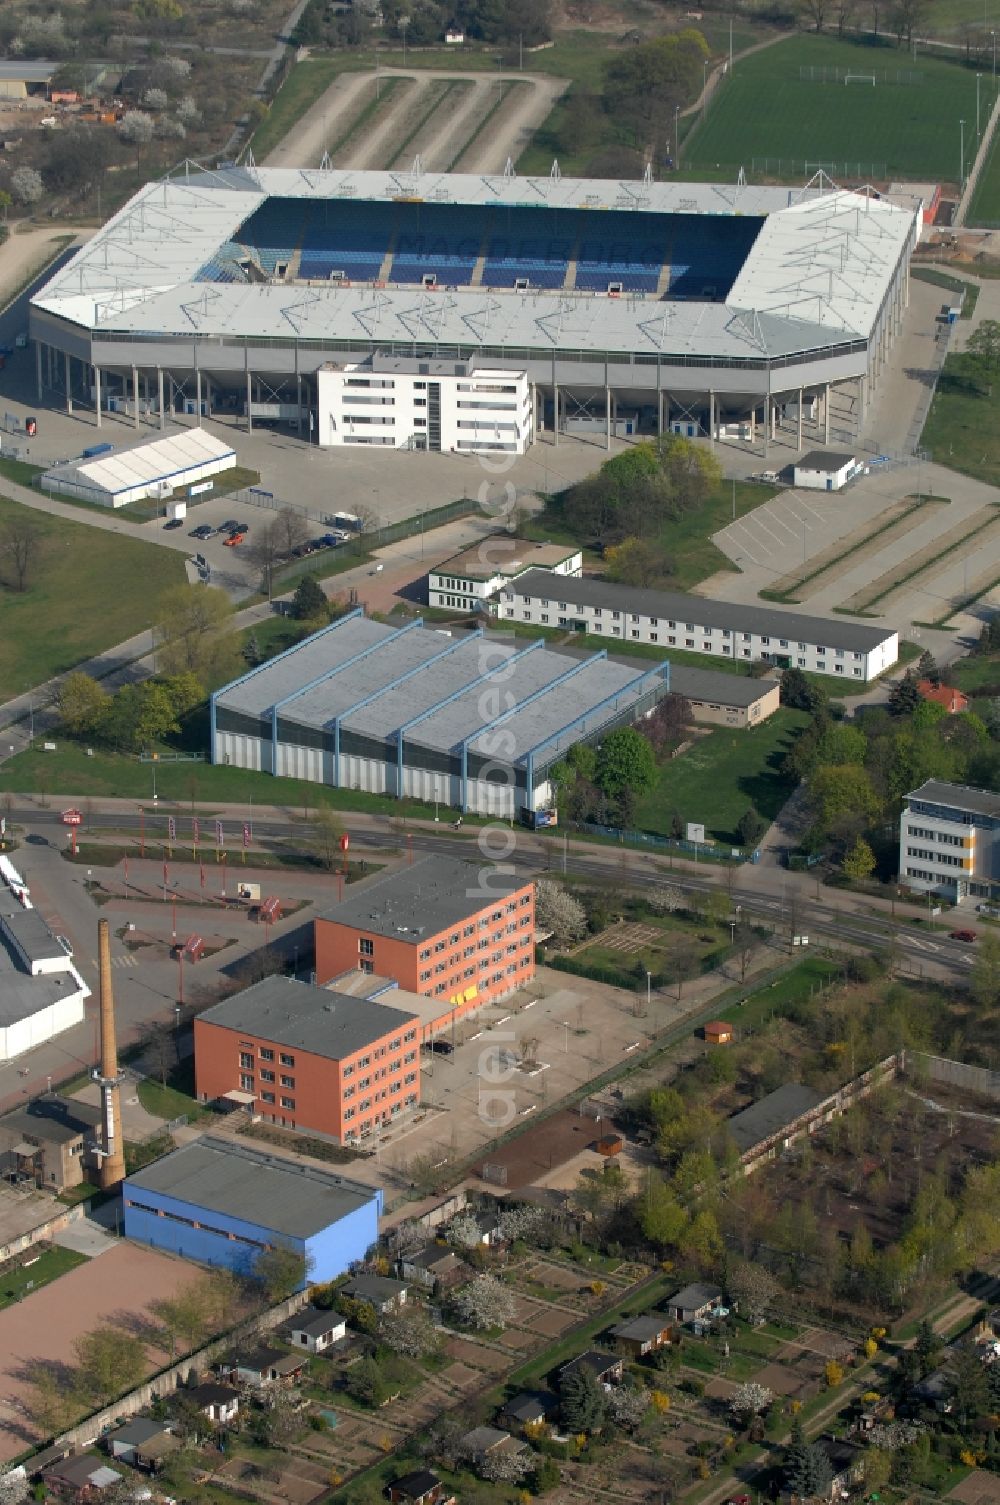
152	469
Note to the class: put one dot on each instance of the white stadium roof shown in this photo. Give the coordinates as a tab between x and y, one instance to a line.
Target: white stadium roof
819	269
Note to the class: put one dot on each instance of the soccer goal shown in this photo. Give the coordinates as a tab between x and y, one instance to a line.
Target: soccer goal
860	78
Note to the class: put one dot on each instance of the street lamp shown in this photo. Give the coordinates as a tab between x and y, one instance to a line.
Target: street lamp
649	990
978	77
404	22
961	156
994	36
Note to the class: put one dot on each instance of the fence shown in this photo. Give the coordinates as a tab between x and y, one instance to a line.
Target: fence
860	75
978	1079
701	850
798	167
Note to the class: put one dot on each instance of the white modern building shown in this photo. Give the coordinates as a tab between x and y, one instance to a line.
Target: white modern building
722	629
154	469
949	841
41	992
468	579
821	470
473	722
401	403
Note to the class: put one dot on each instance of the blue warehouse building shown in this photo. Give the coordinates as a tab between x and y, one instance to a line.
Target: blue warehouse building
223	1204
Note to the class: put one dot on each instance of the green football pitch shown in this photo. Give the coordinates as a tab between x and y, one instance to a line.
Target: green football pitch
778	118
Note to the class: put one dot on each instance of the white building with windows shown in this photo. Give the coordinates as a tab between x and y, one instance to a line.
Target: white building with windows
468	579
721	629
403	403
949	841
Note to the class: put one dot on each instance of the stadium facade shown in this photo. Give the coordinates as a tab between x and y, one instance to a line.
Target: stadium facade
629	307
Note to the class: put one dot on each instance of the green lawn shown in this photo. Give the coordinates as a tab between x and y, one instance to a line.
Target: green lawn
48	1266
89	590
176	1099
984	207
951	284
777	124
963	432
798	984
721	775
686	542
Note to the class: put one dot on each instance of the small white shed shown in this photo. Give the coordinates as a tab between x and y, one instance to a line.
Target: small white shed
825	470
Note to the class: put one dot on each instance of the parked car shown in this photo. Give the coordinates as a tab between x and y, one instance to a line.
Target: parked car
229	526
173	522
203	531
963	935
233	540
330	540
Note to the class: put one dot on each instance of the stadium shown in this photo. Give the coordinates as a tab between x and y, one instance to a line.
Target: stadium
320	297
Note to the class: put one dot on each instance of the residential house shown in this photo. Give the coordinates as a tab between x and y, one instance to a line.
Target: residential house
433	1266
380	1291
82	1477
953	700
695	1303
530	1407
846	1462
485	1442
316	1330
142	1443
936	1389
607	1368
642	1335
421	1487
261	1367
218	1402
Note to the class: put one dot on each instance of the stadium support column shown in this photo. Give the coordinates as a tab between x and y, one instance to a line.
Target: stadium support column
555	413
767	426
38	371
298	393
607	415
197	393
69	383
159	388
246	367
826	414
135	393
97	394
800	421
711	419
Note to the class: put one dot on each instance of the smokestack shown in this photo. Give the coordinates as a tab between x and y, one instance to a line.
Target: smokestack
112	1145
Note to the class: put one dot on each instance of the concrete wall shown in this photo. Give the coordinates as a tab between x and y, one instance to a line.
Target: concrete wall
976	1079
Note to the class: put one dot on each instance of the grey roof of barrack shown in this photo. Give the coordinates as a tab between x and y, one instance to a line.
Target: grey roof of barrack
816	275
381	681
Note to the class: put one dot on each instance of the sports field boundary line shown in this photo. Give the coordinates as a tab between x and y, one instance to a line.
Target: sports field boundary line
984	154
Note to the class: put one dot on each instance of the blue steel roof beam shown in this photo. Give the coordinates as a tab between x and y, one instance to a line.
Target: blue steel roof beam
481	679
490	726
355	658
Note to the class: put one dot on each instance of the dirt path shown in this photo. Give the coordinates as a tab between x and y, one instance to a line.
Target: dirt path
513	126
322	123
442	139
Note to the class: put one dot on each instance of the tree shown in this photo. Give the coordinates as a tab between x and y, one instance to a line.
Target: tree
110	1362
155	99
754	1288
327	830
82	704
684	961
666	723
464	1232
859	862
558	911
13	1486
625	761
484	1303
505	1467
197	634
186	1317
279	1271
971	1383
408	1332
136	127
158	12
547	1475
636	561
750	828
6	200
798	692
807	1471
840	791
816	12
21	545
520	1222
368	1382
52	1403
582	1402
661	1217
627	1405
26	185
984	979
927	667
292	528
644	86
252	651
749	1400
309	602
264	554
984	344
666	898
904	697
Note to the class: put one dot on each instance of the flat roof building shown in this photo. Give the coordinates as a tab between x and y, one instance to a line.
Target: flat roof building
720	699
949	841
825	470
466	580
458	932
779	1109
697	624
50	1141
308	1058
41	992
224	1204
473	723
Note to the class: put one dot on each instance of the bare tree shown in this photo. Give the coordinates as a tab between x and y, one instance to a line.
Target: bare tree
327	832
815	12
291	528
20	546
265	554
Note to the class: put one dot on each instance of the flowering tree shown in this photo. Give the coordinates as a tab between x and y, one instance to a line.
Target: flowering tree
627	1405
558	911
464	1232
750	1400
483	1303
26	185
